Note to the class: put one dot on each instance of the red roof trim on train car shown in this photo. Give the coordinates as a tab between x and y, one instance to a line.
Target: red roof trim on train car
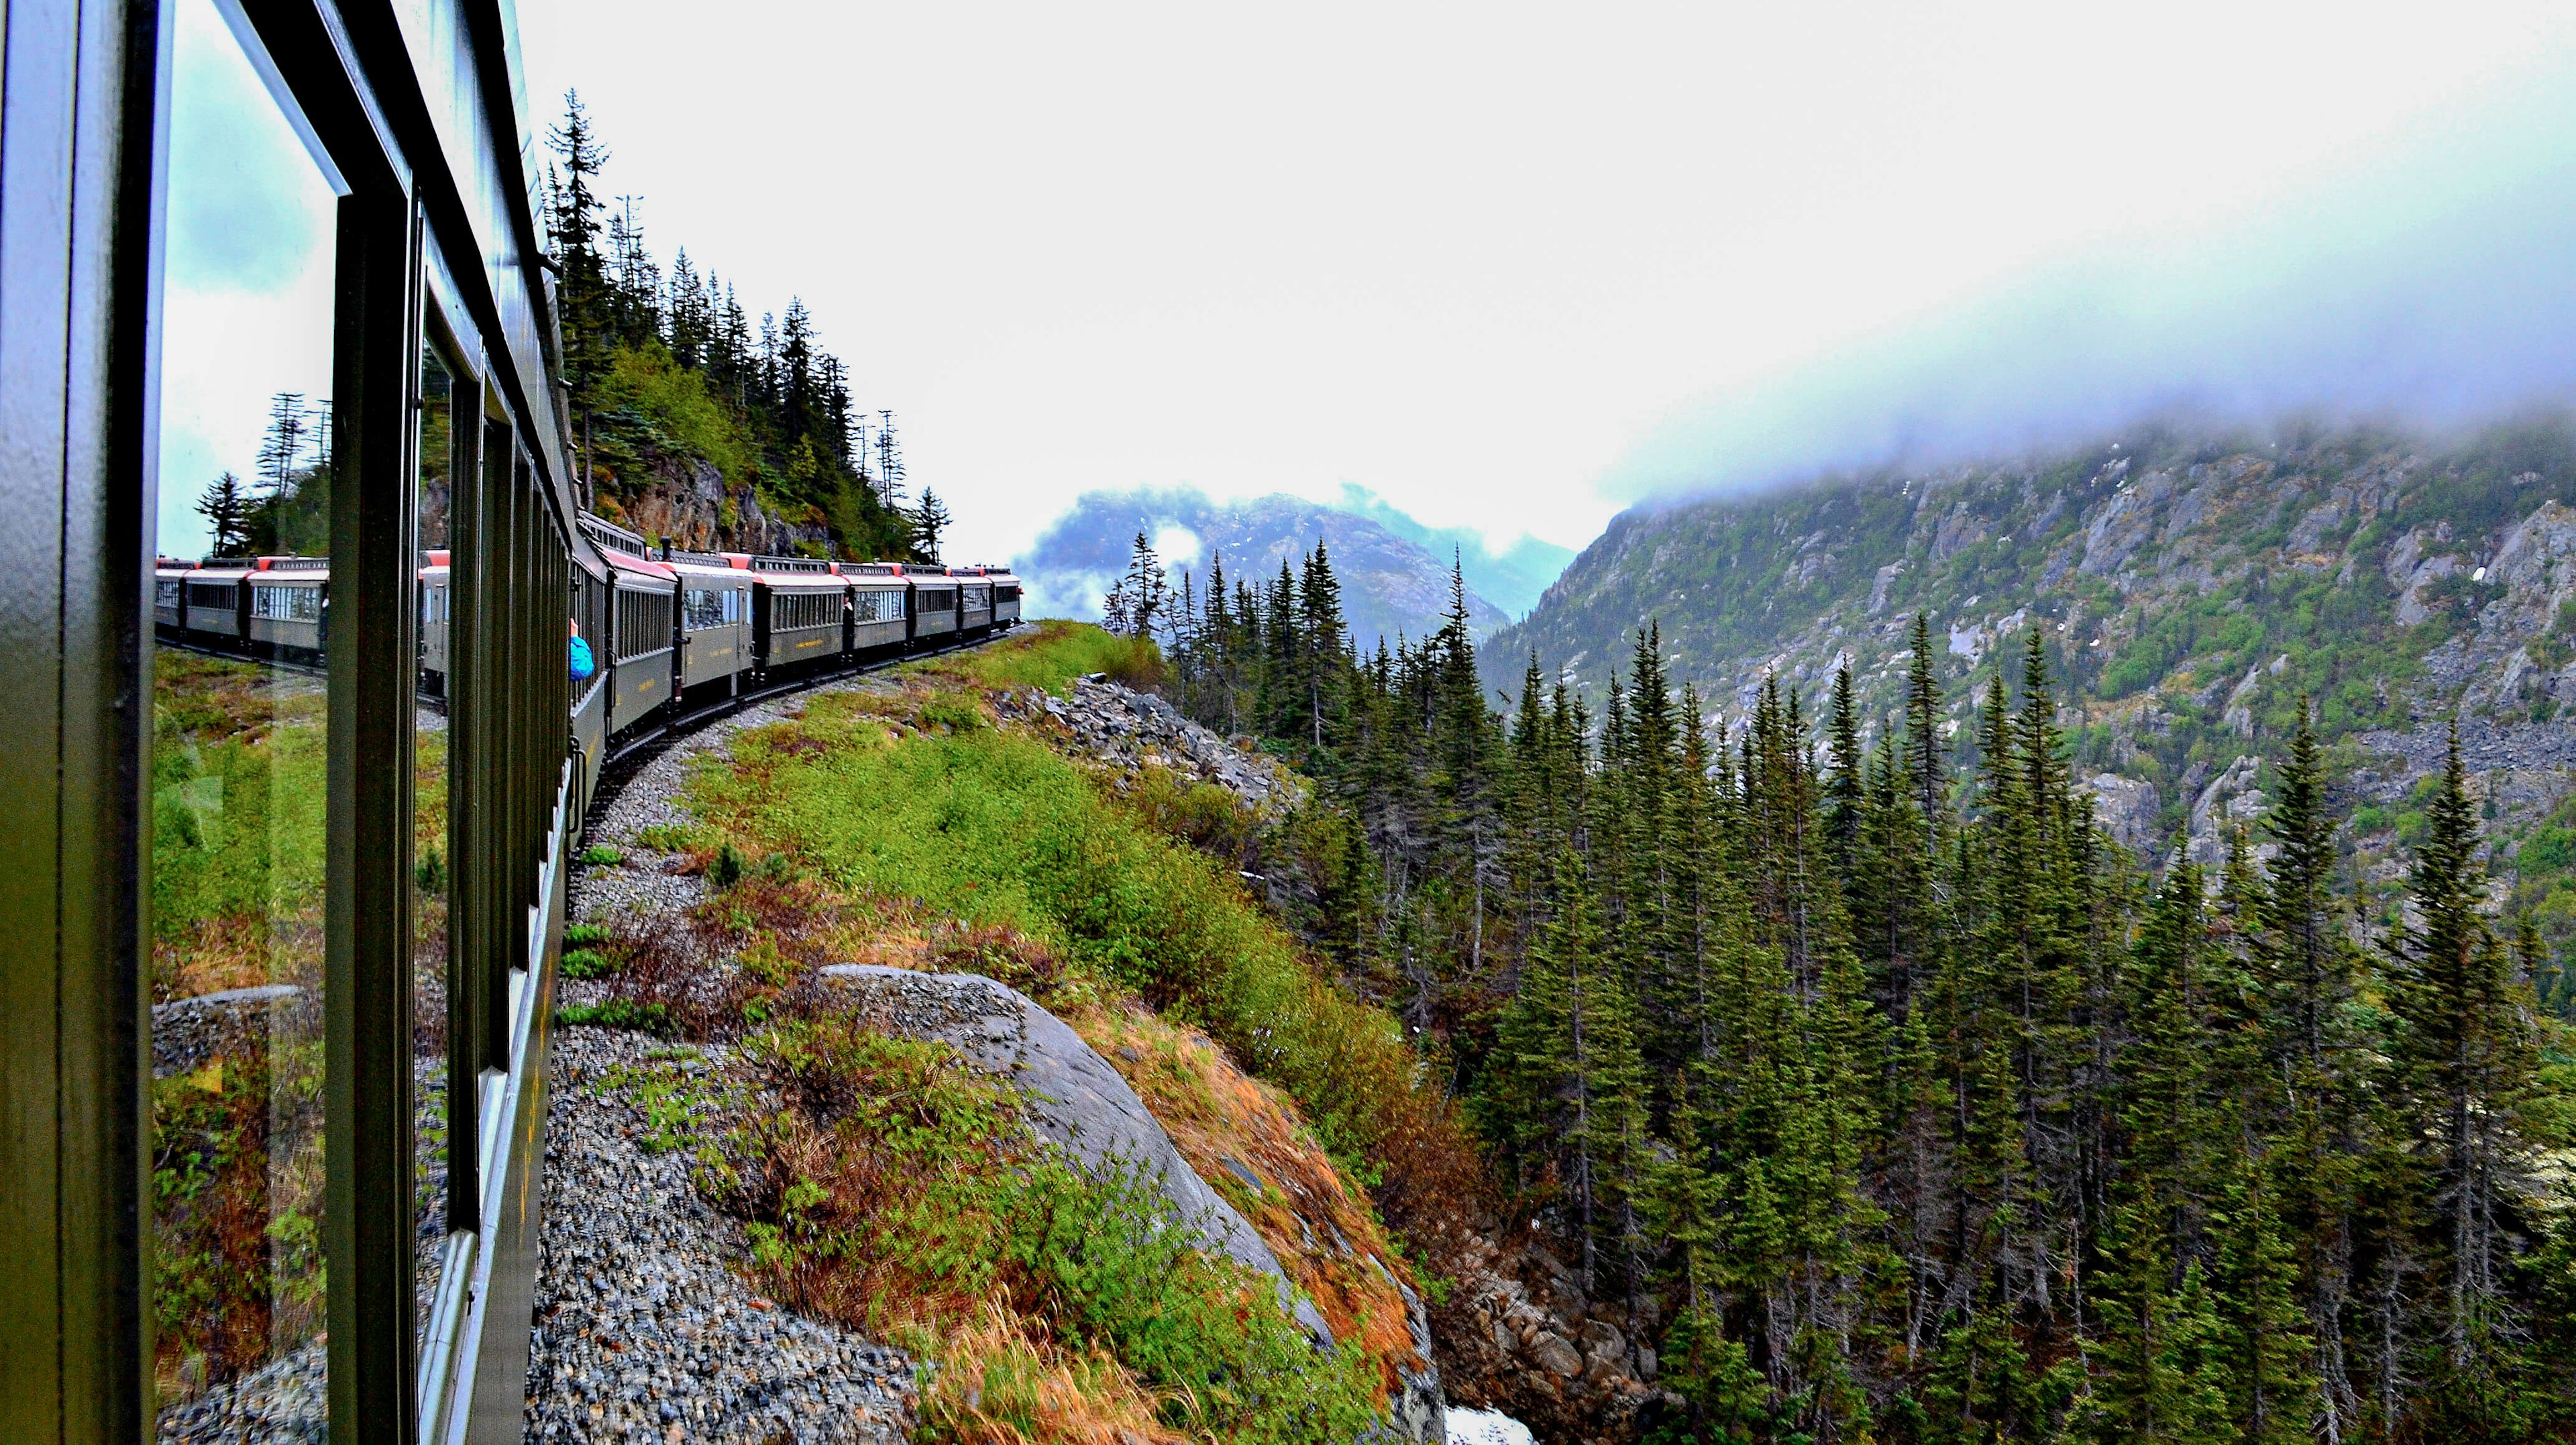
777	576
645	566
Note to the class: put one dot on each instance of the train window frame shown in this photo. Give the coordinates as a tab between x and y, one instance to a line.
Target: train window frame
75	1221
365	901
438	1284
367	1221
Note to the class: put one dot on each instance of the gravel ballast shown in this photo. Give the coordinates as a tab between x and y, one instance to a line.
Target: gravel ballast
644	1331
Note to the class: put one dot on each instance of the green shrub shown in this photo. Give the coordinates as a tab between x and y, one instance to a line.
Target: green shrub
1057	653
585	935
952	711
601	855
674	404
996	829
674	838
587	963
2550	850
728	866
619	1013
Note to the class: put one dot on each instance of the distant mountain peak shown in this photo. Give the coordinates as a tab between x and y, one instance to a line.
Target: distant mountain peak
1393	585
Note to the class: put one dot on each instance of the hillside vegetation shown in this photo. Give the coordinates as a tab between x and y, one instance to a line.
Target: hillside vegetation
698	424
900	1195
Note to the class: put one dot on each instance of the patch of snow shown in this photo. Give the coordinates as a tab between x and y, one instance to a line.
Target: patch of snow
1486	1427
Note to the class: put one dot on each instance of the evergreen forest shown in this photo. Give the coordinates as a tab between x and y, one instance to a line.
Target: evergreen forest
1892	1098
667	371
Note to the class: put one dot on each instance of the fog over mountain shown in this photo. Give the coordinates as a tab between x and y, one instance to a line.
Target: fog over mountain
2432	285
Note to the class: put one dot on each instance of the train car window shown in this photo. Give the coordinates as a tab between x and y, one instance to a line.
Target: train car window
703	608
239	778
435	443
165	594
286	604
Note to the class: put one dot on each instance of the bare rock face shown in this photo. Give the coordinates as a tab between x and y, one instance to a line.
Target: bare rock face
687	500
2126	808
1077	1102
1518	1335
1130	730
2231	801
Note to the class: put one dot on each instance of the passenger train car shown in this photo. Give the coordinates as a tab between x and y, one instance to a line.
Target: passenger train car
272	607
678	628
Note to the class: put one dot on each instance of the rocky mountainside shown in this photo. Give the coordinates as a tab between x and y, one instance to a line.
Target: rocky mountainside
1390	585
1511	579
667	494
2190	587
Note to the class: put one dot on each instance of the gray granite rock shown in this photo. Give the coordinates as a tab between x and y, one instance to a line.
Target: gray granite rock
187	1032
1076	1100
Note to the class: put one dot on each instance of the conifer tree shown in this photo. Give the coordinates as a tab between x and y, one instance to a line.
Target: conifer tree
929	521
227	512
2463	1061
1924	768
1574	1079
1846	785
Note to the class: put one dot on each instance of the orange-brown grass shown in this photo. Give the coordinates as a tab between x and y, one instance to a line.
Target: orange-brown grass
237	1186
225	951
1305	1212
860	1185
1005	1381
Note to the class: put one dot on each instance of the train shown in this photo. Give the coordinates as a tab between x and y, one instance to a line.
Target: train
669	632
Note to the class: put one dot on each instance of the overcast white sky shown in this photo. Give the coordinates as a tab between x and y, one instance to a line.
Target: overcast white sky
1471	257
1512	267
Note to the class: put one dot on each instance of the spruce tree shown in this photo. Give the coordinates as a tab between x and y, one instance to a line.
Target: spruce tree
227	512
2463	1061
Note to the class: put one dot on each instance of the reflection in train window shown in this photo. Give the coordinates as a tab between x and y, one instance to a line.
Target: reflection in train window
432	842
239	865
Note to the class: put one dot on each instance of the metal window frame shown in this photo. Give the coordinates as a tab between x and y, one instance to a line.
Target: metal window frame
414	108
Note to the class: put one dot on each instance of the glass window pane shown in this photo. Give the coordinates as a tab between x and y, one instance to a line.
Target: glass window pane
238	764
431	843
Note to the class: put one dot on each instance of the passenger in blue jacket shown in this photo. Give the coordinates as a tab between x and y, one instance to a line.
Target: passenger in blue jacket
582	665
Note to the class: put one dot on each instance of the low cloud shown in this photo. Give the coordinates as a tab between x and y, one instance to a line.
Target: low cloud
2434	289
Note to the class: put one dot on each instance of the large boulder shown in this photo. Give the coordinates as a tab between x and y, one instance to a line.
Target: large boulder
1076	1101
188	1032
